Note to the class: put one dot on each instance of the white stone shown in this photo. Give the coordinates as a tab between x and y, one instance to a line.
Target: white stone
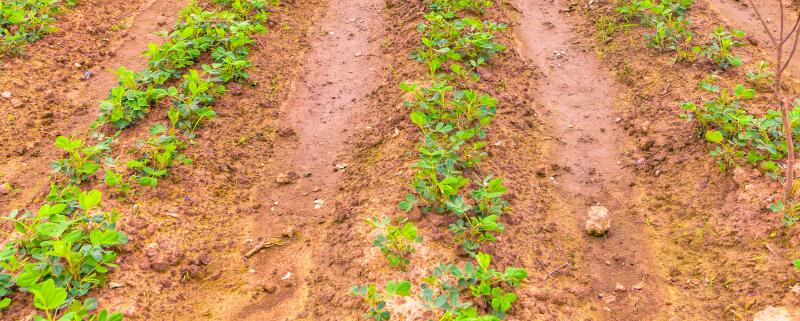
598	221
772	313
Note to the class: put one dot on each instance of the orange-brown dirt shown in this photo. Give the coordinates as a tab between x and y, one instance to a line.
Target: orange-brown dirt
583	119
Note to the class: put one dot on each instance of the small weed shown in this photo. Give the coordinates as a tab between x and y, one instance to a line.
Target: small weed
761	77
397	240
719	50
377	300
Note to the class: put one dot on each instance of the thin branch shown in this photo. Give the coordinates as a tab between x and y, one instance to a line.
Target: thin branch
794	29
780	9
764	23
792	52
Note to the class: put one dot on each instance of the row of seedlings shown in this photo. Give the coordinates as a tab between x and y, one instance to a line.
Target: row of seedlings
65	248
453	118
26	21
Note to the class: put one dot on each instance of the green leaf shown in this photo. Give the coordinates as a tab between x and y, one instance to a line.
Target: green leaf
187	32
48	210
112	179
514	276
409	203
409	231
89	304
107	237
4	303
50	229
735	61
63	143
483	260
408	87
714	136
418	118
69	316
709	87
401	288
503	302
777	207
744	93
688	106
90	200
29	276
47	296
104	316
769	166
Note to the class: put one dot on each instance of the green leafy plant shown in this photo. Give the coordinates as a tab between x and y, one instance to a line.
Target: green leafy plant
26	21
49	298
780	41
68	242
131	100
724	122
82	161
761	77
739	136
377	300
192	106
396	241
789	211
459	45
158	153
453	6
458	292
478	223
667	18
720	48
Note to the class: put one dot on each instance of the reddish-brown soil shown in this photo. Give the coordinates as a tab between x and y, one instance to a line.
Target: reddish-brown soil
585	151
319	141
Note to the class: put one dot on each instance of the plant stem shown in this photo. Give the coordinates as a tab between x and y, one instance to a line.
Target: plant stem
780	66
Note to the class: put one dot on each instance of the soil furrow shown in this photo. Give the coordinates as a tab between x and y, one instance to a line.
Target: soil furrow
340	70
577	99
296	192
